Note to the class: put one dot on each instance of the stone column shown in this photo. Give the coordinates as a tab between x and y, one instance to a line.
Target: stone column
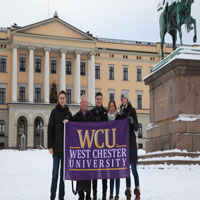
91	79
31	74
62	70
30	136
45	136
14	75
46	75
77	78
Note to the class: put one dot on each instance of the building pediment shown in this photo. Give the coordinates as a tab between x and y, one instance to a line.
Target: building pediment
54	27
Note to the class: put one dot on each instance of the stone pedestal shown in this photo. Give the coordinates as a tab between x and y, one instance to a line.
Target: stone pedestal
175	102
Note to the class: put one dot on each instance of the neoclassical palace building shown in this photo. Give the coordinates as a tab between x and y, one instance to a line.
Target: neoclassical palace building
34	57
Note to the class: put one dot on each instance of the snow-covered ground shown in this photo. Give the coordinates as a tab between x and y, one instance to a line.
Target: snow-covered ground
27	176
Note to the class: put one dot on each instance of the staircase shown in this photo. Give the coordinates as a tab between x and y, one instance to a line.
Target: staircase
169	158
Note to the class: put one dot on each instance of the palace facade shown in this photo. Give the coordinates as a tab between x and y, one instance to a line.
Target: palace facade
34	57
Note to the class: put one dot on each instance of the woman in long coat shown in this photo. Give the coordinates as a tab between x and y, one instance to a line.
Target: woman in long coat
127	111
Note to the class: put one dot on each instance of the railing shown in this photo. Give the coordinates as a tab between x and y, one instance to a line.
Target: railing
119	41
142	43
3	29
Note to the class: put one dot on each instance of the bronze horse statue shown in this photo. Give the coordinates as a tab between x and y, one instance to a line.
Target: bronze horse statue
175	14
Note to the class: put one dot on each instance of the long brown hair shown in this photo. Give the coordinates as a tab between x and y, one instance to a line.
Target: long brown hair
112	101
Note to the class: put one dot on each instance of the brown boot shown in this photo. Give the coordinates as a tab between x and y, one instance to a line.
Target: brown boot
116	197
111	197
137	194
128	194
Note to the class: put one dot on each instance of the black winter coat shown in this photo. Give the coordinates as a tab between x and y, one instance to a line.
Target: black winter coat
56	128
128	112
79	117
99	113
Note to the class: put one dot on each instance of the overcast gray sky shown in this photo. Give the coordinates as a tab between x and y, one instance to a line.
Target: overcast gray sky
118	19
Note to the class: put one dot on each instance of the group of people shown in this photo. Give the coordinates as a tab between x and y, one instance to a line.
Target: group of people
61	114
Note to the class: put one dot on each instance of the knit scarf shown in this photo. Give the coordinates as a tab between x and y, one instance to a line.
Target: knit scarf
112	117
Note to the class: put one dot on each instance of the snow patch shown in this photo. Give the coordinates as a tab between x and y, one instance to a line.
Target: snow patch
187	117
150	126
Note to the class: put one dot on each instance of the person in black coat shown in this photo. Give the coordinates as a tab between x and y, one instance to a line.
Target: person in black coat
127	111
100	114
83	116
59	115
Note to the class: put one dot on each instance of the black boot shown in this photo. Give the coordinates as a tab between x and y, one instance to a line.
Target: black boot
94	196
104	196
88	196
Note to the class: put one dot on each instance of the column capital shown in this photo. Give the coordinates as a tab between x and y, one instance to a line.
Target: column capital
77	52
92	53
47	49
15	46
63	51
31	48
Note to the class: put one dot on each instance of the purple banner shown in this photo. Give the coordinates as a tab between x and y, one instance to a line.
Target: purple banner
96	150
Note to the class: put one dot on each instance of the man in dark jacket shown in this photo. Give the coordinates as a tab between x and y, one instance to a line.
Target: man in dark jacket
127	111
83	116
100	114
59	115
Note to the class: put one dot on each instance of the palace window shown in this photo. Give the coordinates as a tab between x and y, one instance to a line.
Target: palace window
22	94
111	73
2	127
139	101
98	54
68	67
68	96
2	95
97	71
125	74
139	74
53	66
111	96
3	64
82	65
140	146
139	130
22	64
82	92
38	95
38	65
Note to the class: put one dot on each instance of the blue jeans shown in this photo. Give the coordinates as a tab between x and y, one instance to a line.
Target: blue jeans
135	174
56	162
112	186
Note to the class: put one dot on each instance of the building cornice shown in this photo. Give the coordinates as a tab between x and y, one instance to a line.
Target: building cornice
53	37
41	46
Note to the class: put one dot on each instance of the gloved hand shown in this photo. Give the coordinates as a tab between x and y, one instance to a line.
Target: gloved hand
130	119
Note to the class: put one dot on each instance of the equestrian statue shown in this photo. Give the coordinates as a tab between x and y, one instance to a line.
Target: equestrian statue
174	14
